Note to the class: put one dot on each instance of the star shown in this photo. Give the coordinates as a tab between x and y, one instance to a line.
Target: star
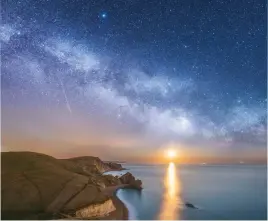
104	15
190	76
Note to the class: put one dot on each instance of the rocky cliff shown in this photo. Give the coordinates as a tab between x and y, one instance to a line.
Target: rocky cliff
114	166
96	210
37	186
90	164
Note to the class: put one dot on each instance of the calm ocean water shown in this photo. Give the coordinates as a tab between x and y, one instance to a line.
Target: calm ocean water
219	192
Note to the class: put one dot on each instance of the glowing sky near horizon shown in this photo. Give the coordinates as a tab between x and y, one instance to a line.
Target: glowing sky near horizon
92	77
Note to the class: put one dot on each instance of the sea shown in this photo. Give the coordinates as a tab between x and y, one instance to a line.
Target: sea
196	192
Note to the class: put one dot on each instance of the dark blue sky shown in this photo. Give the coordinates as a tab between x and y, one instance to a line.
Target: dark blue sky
191	71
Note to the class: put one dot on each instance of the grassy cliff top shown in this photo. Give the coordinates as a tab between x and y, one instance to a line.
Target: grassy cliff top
34	184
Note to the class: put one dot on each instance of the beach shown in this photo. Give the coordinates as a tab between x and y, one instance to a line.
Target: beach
121	212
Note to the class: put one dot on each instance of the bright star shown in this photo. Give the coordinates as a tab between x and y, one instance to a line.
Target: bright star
103	15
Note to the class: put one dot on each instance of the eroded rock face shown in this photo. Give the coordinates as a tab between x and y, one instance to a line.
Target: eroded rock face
96	210
36	185
115	166
90	164
128	178
111	180
137	184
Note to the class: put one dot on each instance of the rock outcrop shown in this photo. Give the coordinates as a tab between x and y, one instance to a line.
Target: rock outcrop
96	210
129	179
90	164
114	166
111	180
37	186
190	205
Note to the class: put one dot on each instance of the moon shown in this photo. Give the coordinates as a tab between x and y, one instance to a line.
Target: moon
171	153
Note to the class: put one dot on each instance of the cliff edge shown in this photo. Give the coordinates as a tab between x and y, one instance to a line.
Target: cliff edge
38	186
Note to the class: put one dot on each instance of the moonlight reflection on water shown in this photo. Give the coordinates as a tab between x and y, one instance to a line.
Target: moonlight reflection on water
172	200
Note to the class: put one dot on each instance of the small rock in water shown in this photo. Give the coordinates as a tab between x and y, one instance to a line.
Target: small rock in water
190	205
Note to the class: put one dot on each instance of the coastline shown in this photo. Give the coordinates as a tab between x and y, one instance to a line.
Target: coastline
71	188
121	211
113	170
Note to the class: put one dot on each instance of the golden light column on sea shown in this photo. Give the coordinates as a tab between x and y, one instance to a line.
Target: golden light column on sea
172	201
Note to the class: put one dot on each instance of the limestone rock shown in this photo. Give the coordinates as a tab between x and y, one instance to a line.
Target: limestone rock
128	178
114	166
35	184
96	210
89	164
137	184
111	180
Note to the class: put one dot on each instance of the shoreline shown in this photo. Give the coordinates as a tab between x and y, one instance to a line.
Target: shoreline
80	190
113	170
121	211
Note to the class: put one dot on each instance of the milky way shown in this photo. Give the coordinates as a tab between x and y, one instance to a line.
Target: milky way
160	84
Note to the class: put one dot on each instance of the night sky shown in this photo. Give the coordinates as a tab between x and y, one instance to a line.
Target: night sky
126	79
